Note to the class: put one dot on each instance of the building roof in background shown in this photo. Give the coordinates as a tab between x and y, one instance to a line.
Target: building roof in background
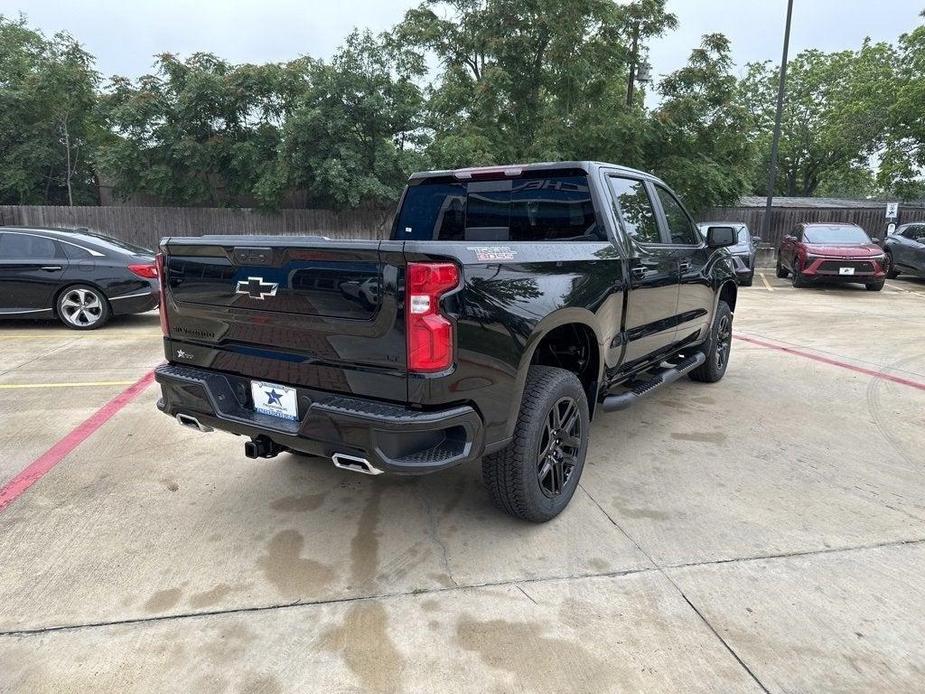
759	201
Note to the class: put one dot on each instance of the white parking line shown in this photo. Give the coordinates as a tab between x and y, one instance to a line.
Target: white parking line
903	289
767	285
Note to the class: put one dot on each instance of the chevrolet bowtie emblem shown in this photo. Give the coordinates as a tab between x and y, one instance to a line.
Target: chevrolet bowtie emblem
256	288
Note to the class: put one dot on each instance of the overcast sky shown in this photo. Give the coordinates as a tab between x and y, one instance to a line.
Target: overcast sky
125	34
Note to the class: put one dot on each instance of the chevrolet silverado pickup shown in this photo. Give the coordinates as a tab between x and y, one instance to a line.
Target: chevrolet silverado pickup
508	307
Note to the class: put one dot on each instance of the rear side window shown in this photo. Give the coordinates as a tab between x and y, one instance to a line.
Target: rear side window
530	208
635	209
681	227
76	252
23	246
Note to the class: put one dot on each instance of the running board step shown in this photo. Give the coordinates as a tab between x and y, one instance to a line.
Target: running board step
621	401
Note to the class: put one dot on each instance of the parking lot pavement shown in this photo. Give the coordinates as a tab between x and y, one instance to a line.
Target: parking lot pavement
766	532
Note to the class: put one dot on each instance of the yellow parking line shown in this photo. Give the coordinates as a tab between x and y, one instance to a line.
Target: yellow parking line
89	384
767	285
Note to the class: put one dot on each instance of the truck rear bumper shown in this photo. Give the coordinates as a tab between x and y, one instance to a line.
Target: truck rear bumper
390	437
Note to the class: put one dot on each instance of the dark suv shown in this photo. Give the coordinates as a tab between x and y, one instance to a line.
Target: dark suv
743	252
905	250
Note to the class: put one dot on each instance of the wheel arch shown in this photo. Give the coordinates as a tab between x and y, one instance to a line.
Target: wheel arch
728	292
558	329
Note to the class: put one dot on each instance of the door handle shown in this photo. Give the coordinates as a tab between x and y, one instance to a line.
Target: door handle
684	266
50	268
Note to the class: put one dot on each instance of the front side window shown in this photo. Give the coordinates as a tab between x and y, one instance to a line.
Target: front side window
26	247
680	226
915	233
536	207
635	209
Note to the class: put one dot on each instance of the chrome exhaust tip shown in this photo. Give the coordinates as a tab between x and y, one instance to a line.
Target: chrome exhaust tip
354	464
193	423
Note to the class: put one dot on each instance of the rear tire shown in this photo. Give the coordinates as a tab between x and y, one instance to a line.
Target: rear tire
718	347
781	271
874	286
535	476
82	307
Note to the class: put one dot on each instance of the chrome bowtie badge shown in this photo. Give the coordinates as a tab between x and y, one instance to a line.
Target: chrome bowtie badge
256	288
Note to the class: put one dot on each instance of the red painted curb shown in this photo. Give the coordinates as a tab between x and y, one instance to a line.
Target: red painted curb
13	489
833	362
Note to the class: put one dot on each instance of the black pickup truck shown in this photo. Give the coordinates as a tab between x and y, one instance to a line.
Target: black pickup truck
509	306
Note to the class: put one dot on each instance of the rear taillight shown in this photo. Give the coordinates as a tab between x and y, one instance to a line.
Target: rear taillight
162	303
146	270
430	333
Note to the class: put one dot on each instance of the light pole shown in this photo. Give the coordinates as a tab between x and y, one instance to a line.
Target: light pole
775	140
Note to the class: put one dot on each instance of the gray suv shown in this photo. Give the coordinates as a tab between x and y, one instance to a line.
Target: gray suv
743	252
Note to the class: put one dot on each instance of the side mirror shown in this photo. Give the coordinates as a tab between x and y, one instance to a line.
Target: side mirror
874	239
719	237
756	240
790	237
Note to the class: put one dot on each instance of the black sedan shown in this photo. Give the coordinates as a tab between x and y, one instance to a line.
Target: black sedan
77	276
905	250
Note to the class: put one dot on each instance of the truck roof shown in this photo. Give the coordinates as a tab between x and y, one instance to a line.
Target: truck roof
586	166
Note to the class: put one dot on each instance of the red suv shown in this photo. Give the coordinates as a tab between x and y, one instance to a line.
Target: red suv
831	252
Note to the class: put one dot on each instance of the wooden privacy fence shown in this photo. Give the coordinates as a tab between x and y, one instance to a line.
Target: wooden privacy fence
145	226
871	219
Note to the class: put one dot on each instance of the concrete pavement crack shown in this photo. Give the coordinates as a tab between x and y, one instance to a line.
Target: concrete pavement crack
38	356
703	618
417	592
526	594
433	531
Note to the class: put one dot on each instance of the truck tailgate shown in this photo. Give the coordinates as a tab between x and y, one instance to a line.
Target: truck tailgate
305	311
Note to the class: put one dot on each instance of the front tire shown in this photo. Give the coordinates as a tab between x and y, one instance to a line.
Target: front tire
781	271
535	476
874	286
747	281
797	280
82	307
891	272
719	347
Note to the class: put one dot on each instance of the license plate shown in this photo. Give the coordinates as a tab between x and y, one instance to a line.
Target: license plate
274	399
846	271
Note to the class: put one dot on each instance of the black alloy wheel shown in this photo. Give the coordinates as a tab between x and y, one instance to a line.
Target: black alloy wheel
559	447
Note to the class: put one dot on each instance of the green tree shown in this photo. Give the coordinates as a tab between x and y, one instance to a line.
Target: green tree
903	160
699	141
47	124
200	131
531	79
355	134
834	116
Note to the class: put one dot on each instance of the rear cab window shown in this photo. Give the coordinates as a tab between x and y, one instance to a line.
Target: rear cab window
537	206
